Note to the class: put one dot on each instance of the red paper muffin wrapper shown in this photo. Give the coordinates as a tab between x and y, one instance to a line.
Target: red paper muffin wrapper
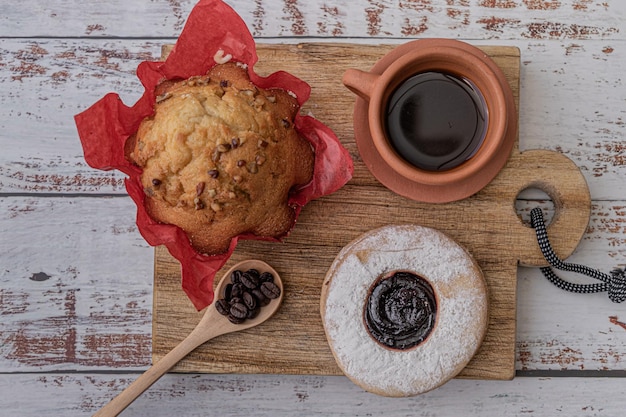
104	128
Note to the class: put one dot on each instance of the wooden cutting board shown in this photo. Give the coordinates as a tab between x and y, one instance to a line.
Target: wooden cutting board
487	224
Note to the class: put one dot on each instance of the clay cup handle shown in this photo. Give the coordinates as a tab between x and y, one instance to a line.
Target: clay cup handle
360	82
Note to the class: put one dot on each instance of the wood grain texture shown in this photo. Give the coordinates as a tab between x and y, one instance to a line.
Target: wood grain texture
277	395
63	303
294	341
484	19
44	84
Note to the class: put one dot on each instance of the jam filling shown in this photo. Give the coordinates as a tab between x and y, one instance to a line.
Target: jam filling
400	310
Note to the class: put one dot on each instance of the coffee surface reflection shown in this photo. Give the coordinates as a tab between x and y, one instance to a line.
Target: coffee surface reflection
436	121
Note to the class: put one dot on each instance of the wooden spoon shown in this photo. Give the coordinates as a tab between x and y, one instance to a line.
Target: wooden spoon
211	325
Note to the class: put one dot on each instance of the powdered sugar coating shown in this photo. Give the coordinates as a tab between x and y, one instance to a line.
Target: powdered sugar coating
461	309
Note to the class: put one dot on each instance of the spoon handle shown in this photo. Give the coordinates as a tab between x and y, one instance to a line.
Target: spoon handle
152	374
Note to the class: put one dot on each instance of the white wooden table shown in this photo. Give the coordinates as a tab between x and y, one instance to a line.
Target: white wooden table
76	277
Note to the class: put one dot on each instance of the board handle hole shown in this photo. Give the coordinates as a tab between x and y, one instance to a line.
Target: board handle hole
532	197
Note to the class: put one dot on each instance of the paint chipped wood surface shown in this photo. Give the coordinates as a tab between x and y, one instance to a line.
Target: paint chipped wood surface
470	19
76	277
204	395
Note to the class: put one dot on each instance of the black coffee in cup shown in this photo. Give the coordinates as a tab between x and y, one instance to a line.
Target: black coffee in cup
436	121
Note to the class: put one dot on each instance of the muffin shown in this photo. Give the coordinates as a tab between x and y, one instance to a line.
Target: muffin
219	157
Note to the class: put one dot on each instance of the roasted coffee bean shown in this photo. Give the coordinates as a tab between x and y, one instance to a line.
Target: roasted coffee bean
270	290
249	300
222	307
246	294
253	272
253	313
250	280
228	292
261	298
237	290
235	277
266	277
236	320
235	300
238	310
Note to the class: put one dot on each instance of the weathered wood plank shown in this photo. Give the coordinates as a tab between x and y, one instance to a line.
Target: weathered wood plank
485	19
75	285
270	395
571	101
44	83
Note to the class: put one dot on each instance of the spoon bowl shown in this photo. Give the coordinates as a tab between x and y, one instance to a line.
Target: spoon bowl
211	325
265	312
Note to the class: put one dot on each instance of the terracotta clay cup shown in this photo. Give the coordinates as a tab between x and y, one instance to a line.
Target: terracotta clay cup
458	59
